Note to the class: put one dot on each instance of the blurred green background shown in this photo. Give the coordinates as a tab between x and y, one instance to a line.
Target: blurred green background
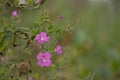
96	40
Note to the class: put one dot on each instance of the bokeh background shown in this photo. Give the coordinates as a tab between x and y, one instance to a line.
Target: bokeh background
95	44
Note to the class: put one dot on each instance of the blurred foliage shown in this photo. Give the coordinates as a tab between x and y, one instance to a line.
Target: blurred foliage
96	40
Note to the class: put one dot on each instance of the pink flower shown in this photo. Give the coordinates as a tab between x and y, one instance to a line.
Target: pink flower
14	13
58	50
30	78
42	38
61	17
44	59
4	59
38	1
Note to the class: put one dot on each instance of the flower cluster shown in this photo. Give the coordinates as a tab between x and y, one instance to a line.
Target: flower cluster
4	59
58	50
61	17
44	59
14	13
38	1
30	78
42	38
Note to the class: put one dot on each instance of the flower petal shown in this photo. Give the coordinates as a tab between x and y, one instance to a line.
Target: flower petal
41	63
43	33
40	56
47	55
37	37
46	38
41	42
48	62
59	51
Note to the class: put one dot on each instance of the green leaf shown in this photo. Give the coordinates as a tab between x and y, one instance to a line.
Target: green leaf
58	31
36	76
3	43
52	67
16	2
22	29
30	1
50	27
9	52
